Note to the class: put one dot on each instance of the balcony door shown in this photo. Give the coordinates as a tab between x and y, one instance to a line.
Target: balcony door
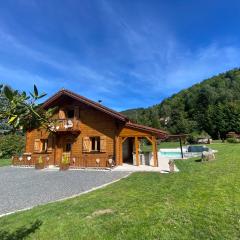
66	113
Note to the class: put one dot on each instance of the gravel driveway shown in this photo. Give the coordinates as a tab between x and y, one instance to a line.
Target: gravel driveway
26	187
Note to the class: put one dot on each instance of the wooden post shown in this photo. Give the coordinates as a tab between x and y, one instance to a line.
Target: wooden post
154	150
136	151
180	141
117	150
120	151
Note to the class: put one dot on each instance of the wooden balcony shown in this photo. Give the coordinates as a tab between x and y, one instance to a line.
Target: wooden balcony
66	125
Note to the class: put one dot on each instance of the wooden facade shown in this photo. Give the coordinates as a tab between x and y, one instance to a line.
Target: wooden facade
88	133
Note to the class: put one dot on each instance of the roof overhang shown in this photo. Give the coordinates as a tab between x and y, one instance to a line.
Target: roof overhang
178	136
154	131
49	102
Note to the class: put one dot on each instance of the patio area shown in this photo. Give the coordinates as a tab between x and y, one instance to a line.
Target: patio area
163	167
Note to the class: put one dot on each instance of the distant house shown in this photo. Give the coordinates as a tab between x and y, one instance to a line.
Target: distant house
204	140
88	133
233	135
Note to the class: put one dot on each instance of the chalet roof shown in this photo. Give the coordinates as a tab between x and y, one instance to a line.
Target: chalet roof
115	114
85	100
156	131
177	136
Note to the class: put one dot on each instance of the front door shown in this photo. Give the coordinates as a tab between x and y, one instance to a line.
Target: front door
63	147
67	148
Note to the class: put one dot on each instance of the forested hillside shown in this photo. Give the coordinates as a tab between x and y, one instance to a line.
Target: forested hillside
212	106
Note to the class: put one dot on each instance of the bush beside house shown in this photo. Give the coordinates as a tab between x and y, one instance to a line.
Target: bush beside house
233	140
11	144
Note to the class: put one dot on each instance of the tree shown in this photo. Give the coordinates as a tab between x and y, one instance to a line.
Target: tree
22	111
211	106
11	144
223	118
178	122
3	104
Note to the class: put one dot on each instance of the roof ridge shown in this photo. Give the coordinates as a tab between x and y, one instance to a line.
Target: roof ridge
94	102
85	100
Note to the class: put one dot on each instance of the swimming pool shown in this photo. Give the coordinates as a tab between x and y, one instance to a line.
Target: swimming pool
170	154
188	151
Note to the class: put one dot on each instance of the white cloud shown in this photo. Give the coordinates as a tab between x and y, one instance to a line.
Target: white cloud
73	72
201	64
162	65
141	63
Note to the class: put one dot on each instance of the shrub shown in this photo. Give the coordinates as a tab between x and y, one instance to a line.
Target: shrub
11	144
233	140
40	160
65	159
192	139
195	136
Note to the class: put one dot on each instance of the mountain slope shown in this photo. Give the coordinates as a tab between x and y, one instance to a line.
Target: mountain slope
212	106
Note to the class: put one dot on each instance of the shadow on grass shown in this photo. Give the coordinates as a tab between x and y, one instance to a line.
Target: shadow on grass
198	160
20	233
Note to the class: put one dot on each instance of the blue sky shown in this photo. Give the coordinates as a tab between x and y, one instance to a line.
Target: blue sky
127	53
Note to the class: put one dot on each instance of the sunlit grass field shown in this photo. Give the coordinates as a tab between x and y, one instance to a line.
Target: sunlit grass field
200	202
5	162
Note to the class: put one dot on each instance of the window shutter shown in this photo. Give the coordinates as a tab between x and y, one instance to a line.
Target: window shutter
37	145
86	144
62	114
103	144
89	145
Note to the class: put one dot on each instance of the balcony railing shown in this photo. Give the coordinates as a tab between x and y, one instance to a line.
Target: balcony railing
66	125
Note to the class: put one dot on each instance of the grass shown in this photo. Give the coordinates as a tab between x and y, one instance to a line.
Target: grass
5	162
200	202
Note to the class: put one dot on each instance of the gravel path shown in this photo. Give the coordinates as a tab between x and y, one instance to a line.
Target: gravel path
22	188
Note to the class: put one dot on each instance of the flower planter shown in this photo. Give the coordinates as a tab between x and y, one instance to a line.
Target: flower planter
39	166
64	167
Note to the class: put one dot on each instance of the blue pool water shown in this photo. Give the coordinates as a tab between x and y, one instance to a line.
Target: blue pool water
171	154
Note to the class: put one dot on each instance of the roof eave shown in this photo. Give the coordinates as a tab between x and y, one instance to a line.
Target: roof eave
89	102
160	133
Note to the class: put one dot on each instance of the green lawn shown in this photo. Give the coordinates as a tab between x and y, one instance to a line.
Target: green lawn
200	202
5	162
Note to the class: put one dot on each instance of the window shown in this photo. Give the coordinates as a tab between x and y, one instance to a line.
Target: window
68	147
50	144
70	114
37	145
40	145
95	144
44	145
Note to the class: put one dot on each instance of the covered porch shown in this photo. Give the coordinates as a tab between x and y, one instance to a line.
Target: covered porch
132	153
128	150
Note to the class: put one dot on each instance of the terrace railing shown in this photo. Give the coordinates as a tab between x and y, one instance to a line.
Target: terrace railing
27	160
85	161
88	161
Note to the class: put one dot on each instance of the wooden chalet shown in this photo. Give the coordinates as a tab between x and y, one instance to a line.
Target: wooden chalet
88	133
